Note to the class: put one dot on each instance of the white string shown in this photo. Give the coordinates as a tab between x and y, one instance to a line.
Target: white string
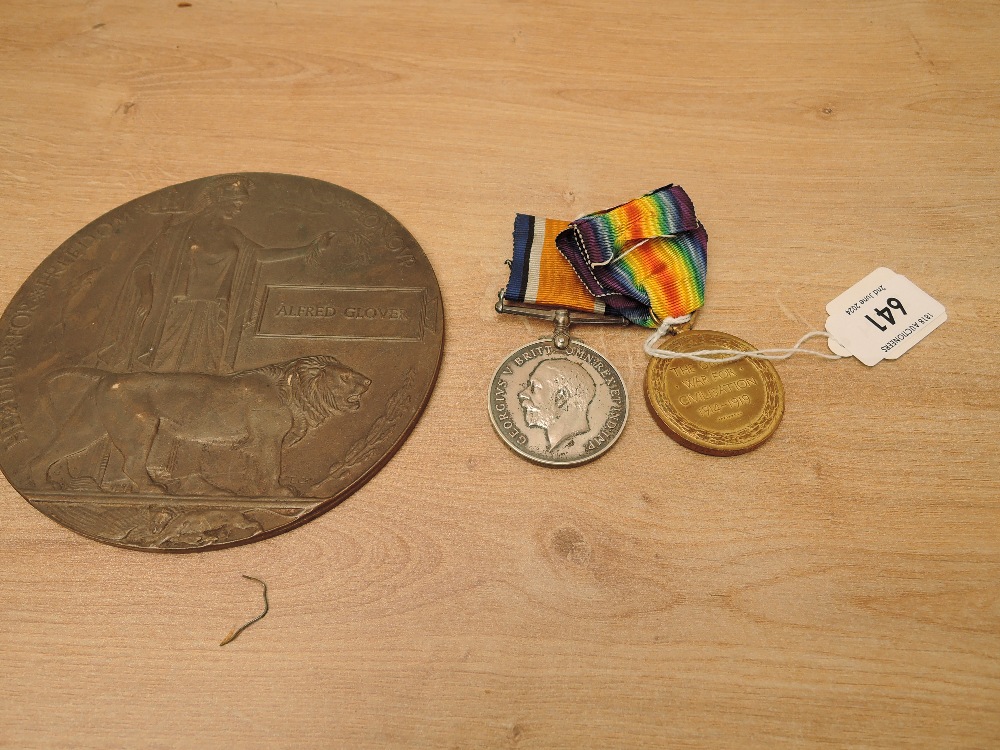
636	246
730	355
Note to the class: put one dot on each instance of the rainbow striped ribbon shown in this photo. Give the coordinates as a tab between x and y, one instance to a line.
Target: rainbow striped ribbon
644	260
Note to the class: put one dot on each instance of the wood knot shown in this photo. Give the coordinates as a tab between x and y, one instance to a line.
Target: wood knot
516	734
569	543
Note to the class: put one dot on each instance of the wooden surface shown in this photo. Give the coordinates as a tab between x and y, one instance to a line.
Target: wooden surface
838	587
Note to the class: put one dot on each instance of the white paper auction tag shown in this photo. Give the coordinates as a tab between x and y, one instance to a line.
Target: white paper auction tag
883	316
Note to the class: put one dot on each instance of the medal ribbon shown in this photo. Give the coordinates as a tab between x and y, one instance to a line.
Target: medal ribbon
645	260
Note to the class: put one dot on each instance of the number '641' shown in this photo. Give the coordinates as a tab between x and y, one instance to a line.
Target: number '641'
886	313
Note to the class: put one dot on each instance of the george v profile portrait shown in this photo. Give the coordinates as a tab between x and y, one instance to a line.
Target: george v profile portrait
557	399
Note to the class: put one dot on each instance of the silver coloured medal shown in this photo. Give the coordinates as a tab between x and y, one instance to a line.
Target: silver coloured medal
557	401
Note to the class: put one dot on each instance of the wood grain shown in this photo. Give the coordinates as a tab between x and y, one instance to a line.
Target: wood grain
838	587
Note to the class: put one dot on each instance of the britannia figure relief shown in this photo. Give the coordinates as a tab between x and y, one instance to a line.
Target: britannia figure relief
187	295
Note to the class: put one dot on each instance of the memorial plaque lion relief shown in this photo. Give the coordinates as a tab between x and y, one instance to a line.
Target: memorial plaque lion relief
190	370
155	432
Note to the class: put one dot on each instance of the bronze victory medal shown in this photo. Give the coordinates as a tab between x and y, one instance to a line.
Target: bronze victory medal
717	408
216	362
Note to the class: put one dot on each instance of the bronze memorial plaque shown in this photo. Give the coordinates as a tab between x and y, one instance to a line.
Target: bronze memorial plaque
216	362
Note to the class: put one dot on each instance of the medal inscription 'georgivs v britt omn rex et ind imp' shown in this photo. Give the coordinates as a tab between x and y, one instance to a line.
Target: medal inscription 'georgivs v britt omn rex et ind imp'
216	362
559	407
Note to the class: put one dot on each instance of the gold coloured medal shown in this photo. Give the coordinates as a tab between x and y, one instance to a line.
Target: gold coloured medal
719	408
